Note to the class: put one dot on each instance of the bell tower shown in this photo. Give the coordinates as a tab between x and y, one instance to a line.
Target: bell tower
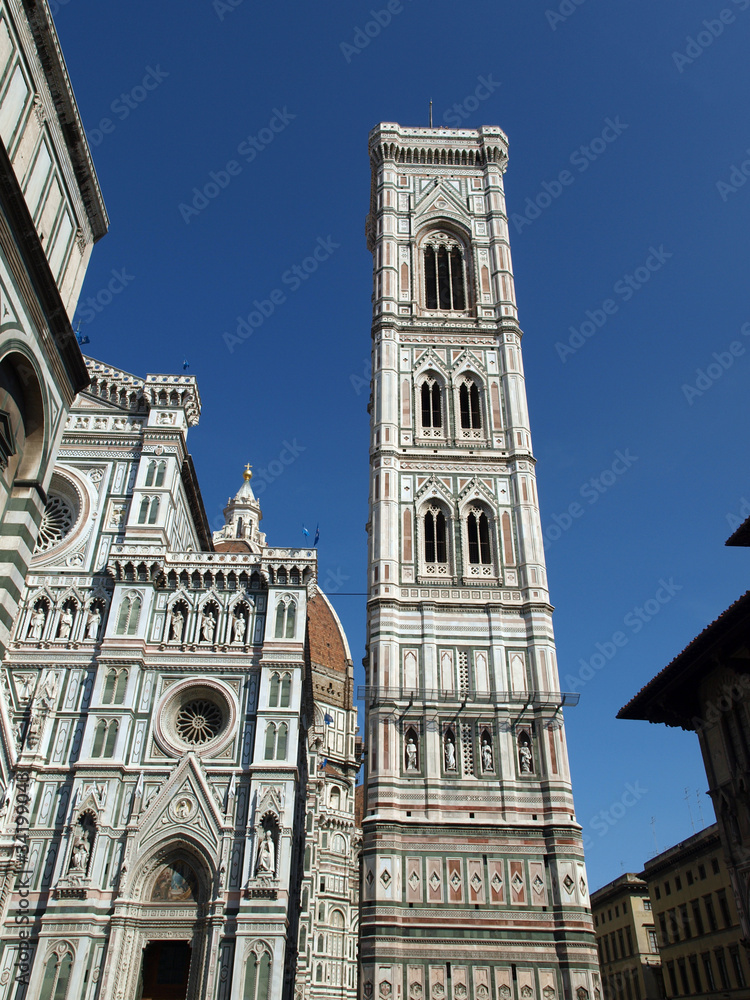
474	883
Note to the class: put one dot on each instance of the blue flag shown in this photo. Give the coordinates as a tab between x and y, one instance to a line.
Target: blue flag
305	532
328	719
82	339
317	535
323	762
185	365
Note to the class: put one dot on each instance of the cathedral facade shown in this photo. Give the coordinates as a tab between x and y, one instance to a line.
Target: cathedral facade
177	716
474	882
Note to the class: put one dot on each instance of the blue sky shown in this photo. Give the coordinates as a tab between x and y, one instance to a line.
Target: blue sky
641	106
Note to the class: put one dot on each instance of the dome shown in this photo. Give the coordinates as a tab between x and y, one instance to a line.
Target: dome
325	634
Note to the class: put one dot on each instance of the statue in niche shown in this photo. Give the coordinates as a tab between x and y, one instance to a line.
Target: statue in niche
93	621
34	730
238	627
411	755
49	689
208	626
36	624
66	624
176	625
487	755
266	856
450	754
525	758
79	859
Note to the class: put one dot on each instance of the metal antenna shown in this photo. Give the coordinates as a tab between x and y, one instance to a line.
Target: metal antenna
690	811
700	808
430	114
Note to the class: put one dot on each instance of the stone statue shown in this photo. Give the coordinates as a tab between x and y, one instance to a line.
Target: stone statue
176	625
93	621
266	856
238	628
66	624
49	689
411	755
80	857
208	626
36	624
486	755
524	755
450	755
34	730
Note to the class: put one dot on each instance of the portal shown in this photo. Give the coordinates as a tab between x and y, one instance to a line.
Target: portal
166	965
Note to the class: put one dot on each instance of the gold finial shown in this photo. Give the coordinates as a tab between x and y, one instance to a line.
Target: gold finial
247	474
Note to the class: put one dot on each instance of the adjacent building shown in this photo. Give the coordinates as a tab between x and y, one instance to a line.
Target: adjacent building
176	710
51	214
700	937
706	689
626	940
474	884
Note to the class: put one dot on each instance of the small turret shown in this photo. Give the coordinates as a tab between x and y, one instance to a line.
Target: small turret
242	517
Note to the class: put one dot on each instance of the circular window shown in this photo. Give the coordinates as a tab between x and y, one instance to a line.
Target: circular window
60	513
199	721
195	716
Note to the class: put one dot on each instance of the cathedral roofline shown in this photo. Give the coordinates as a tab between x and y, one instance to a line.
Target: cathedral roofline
453	147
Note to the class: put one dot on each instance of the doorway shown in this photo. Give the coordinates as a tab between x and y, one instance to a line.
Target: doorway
166	965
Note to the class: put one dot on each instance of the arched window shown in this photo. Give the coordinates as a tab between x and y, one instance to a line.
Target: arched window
109	746
302	939
335	797
109	687
240	528
281	742
286	689
478	528
337	934
129	615
273	696
121	688
435	545
471	416
153	511
99	737
286	619
319	974
150	474
338	844
432	404
56	974
270	742
161	469
143	512
444	279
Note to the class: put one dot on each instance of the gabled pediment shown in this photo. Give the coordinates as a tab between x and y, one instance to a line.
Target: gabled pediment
476	489
441	201
185	807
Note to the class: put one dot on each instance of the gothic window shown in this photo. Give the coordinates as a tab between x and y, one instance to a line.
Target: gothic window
276	741
105	738
286	617
115	685
302	939
99	737
286	691
478	531
56	974
149	510
435	542
338	844
129	615
155	473
336	935
273	697
270	742
335	798
468	395
432	407
444	280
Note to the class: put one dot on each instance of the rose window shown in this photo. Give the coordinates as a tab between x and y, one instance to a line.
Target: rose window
57	521
198	722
